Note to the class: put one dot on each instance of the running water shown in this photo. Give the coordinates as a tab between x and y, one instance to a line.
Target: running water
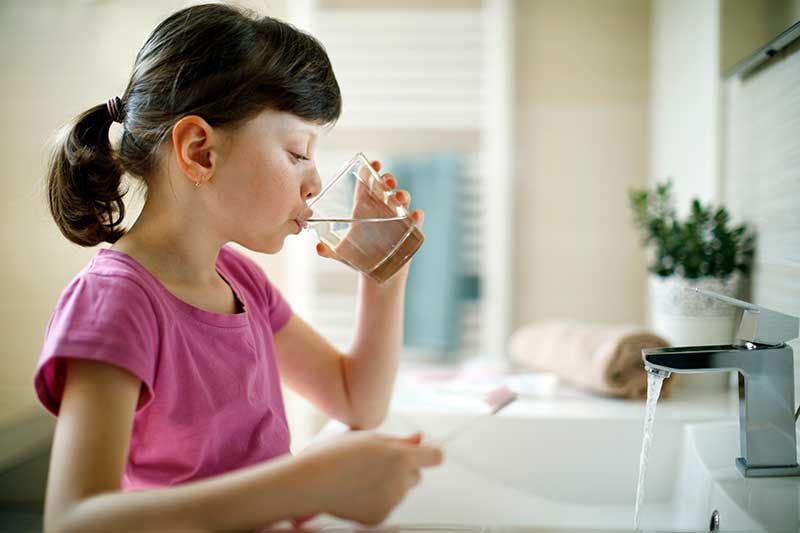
654	383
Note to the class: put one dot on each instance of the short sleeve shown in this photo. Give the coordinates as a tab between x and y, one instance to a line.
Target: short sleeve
103	318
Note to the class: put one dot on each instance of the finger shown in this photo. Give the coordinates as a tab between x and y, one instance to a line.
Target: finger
418	216
323	250
403	197
376	165
297	523
399	199
389	181
424	456
416	438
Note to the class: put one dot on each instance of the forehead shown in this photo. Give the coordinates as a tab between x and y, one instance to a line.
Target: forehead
284	124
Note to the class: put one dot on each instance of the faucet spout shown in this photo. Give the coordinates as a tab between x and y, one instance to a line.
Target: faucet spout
699	359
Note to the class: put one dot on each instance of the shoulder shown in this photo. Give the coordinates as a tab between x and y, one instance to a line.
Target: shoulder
108	300
113	284
113	279
112	291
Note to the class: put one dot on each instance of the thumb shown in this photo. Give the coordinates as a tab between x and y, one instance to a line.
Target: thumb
323	250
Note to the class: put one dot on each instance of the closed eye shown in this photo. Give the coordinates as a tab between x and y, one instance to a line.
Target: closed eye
299	157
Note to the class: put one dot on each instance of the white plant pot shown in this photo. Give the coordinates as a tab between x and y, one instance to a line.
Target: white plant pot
686	318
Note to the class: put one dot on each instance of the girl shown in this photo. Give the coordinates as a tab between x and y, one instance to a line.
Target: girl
162	359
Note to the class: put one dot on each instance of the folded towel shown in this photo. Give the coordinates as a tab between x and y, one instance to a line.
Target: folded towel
603	359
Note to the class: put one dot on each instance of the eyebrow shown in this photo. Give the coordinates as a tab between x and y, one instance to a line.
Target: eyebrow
308	131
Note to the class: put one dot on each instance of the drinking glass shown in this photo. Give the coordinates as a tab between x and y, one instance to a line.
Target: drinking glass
363	223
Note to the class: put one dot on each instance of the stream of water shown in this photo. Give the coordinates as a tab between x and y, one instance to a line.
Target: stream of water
654	383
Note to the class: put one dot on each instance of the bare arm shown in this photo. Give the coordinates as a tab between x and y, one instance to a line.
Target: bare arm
374	356
354	388
362	477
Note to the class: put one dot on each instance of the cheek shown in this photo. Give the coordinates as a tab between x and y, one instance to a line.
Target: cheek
260	189
274	191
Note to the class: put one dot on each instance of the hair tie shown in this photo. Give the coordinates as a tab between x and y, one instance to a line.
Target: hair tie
115	111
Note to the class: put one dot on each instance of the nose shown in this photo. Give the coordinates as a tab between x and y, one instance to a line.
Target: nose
312	184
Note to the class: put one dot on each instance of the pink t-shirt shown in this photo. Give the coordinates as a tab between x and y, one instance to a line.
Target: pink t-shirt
210	400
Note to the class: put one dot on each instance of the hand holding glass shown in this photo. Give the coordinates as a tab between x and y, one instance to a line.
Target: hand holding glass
363	223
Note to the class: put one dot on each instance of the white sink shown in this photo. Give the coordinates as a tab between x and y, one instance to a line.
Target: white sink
758	504
516	472
565	473
525	469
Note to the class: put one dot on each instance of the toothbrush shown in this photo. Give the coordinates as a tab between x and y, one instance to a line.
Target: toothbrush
497	399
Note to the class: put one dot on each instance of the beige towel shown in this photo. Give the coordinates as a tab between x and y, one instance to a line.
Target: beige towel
602	359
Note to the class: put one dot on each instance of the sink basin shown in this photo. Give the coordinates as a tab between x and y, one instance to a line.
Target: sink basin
512	471
520	470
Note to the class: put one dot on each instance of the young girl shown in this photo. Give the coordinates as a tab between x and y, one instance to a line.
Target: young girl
164	355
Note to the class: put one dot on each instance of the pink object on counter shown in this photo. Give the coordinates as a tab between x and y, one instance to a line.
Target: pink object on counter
500	397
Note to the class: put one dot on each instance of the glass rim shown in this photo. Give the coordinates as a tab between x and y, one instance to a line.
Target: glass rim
358	157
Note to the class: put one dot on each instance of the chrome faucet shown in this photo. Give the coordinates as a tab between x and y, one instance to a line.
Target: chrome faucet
766	384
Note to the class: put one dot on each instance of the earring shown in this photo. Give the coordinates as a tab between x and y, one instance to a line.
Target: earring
197	184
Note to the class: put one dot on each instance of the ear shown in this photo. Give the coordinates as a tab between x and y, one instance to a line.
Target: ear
194	143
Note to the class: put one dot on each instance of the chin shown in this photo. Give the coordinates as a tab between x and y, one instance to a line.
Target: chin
269	247
272	248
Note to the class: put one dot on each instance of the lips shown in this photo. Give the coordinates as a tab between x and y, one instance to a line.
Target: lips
301	219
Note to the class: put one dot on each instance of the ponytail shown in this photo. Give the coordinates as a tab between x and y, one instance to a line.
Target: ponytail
84	179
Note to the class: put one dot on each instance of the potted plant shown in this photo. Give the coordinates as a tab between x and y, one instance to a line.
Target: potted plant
701	250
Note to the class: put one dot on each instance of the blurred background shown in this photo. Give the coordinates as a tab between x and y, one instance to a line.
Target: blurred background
519	126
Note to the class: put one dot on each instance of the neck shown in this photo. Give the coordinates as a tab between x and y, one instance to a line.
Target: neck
174	244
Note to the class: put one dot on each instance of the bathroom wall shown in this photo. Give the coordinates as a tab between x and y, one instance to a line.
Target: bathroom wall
684	98
692	45
582	81
761	182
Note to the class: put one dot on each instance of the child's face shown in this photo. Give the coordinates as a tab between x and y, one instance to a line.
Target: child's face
266	173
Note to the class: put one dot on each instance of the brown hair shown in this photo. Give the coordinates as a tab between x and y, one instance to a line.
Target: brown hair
222	63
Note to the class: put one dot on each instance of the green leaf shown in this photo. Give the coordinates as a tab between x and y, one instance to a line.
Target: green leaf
700	245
